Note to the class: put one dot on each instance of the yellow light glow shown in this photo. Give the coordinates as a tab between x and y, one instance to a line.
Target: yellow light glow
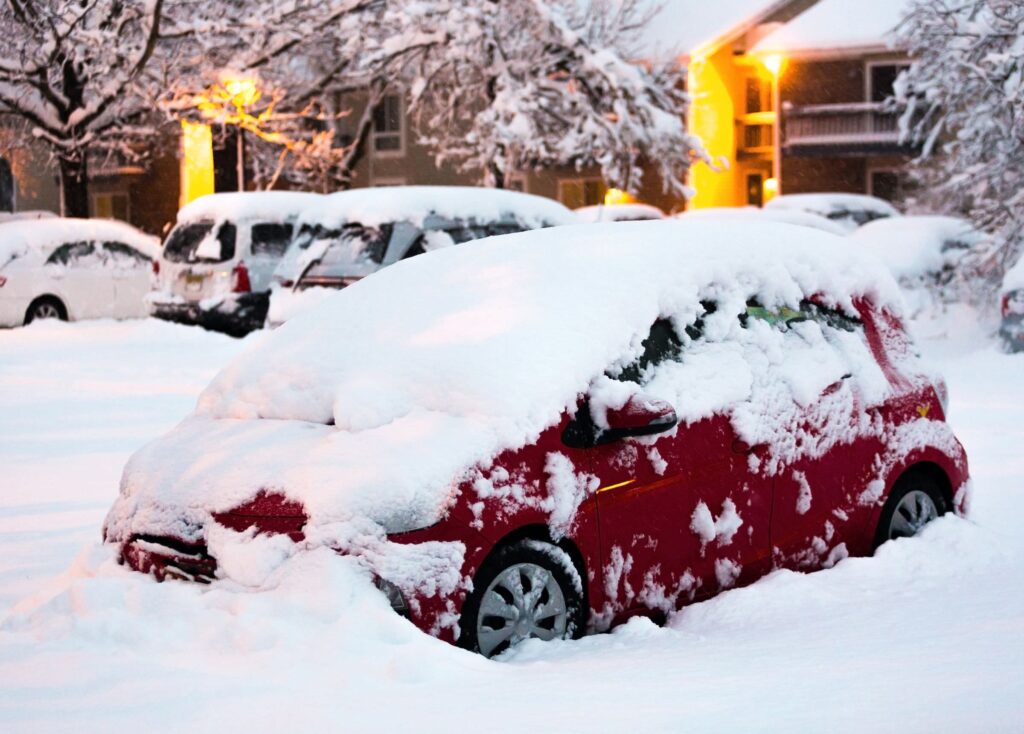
774	63
618	196
771	188
196	161
242	92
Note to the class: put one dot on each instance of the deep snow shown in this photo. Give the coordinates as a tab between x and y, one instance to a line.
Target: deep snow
926	636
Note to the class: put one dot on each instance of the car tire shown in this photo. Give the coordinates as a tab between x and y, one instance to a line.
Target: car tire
45	307
916	499
527	589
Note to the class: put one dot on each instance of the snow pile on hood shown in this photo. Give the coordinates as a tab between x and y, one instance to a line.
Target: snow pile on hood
836	206
618	213
914	246
386	204
376	403
19	237
788	216
239	206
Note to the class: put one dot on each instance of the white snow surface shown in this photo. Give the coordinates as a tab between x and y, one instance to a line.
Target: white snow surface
788	216
834	25
239	206
912	246
373	207
826	203
1014	278
22	236
927	631
618	212
362	410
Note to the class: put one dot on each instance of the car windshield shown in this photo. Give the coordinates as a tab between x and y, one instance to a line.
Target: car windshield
188	243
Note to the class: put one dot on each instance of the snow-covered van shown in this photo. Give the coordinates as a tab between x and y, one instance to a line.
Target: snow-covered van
72	269
217	262
848	210
352	234
550	432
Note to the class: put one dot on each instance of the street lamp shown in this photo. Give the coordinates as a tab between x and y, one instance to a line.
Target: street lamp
242	93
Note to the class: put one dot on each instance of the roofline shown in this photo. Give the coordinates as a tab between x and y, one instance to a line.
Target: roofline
711	46
826	54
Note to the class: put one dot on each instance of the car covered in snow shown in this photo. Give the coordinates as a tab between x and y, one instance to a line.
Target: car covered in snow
218	259
352	234
848	210
618	213
1011	307
787	216
73	269
548	433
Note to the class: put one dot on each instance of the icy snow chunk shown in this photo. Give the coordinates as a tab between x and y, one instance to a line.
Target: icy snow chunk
722	528
803	498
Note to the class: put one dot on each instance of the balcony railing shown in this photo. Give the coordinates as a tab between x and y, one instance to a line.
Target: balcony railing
857	124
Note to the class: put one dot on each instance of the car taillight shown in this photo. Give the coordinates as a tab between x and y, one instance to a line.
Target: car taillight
1004	306
156	267
3	281
240	279
942	390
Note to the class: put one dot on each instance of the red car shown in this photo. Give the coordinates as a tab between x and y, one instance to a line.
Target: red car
547	435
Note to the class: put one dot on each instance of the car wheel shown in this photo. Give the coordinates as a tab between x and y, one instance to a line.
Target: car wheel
528	589
46	307
916	499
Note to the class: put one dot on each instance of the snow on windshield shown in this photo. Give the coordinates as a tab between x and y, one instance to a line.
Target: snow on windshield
392	389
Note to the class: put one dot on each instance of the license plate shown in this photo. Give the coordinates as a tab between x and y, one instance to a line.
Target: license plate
194	282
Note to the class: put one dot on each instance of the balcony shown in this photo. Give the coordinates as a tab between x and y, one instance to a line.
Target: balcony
837	129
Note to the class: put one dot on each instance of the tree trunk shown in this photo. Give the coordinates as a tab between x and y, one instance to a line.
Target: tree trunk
496	179
74	187
357	148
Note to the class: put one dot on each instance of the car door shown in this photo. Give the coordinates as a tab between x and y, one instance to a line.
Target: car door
84	284
131	272
681	515
818	485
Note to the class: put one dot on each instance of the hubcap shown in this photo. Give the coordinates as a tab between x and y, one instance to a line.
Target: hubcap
46	311
914	511
524	601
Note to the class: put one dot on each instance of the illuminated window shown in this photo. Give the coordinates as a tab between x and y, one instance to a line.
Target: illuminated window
577	192
112	205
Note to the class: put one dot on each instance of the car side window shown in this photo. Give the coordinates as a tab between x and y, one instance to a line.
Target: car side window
784	316
226	235
270	239
498	229
123	256
73	253
661	344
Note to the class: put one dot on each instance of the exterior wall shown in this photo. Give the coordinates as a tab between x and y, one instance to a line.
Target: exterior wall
823	82
35	176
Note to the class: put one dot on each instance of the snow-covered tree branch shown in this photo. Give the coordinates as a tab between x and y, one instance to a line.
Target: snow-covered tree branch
964	98
517	85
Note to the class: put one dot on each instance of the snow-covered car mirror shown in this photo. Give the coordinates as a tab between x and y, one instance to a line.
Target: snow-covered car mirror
642	415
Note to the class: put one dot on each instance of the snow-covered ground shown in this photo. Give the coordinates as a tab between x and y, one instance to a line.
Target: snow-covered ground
926	636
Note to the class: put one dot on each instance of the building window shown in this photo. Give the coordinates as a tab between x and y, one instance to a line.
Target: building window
759	95
112	205
881	78
577	192
755	189
886	184
388	132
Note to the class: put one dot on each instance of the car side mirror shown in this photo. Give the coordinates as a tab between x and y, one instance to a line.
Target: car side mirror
642	415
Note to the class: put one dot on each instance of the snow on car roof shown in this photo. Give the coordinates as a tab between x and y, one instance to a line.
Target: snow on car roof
376	206
268	206
913	245
375	402
20	236
1014	278
789	216
831	25
618	212
827	203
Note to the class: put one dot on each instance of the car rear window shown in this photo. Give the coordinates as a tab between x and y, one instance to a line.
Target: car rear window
188	243
270	239
350	244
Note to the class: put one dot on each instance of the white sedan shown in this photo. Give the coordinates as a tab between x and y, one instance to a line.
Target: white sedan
72	269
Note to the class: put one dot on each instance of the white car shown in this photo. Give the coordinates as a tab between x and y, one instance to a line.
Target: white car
785	216
217	262
618	213
73	269
848	210
352	234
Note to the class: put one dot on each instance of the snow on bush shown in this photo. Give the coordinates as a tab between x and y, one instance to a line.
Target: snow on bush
371	413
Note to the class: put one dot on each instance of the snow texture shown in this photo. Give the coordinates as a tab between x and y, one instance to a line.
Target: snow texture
263	206
788	216
41	236
841	208
916	246
618	213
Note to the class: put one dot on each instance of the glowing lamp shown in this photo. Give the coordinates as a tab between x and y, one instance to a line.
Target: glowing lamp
774	63
618	196
771	188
